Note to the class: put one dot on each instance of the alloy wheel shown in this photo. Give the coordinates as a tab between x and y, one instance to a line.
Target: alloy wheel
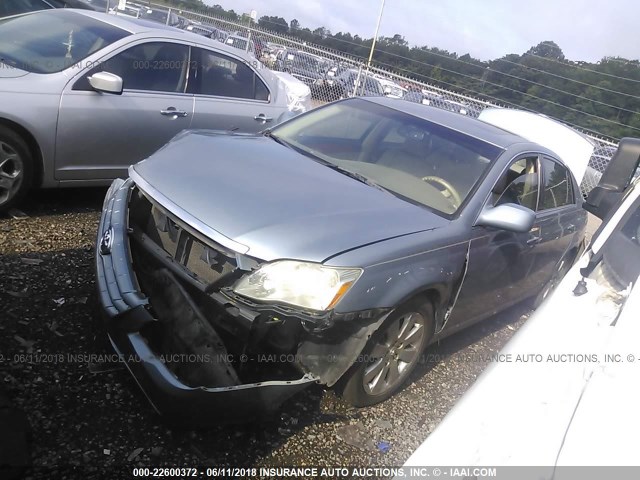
393	355
11	172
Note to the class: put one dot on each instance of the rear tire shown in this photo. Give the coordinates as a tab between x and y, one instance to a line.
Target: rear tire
16	168
391	354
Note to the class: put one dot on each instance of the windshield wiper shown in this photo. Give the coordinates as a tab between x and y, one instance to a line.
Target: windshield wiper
268	133
356	176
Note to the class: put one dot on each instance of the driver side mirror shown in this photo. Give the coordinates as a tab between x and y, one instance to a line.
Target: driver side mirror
508	216
106	82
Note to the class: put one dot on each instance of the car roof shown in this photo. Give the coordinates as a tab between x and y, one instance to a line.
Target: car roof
142	26
125	22
461	123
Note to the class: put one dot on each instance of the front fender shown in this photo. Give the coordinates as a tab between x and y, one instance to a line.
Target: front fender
427	263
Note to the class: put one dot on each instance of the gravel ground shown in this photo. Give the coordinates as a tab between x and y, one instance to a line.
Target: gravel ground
91	414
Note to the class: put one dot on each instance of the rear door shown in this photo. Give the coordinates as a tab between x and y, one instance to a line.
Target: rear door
99	134
560	218
229	94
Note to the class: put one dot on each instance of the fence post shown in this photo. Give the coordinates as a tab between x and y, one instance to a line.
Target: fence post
357	84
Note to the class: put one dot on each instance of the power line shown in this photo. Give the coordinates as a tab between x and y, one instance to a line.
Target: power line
499	101
579	67
616	92
514	76
523	79
527	94
431	52
532	82
571	63
296	41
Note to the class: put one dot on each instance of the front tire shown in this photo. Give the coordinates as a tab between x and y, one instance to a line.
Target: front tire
391	354
16	168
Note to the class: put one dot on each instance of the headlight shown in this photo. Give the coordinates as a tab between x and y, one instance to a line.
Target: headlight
307	285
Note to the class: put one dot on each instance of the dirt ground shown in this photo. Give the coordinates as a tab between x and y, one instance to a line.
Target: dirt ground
89	419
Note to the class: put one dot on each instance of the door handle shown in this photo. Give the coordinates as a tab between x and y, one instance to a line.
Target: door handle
262	118
534	240
173	112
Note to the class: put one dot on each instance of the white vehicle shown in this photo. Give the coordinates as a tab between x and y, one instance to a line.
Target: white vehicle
564	391
391	88
572	146
298	93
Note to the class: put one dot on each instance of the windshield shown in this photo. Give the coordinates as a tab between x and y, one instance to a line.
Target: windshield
52	40
417	160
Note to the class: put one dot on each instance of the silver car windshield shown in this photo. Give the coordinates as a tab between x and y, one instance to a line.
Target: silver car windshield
421	161
53	40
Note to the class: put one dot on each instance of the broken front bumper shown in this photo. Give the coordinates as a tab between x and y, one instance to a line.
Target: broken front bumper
127	315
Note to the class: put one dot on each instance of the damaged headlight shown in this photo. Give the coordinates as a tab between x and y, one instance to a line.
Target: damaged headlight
307	285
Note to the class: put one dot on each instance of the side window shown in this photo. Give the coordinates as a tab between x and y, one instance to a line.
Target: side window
519	184
155	66
222	76
557	186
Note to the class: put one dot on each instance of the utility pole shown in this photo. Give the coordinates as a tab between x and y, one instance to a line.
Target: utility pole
375	37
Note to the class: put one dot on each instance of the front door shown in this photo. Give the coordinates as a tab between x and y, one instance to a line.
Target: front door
100	134
503	267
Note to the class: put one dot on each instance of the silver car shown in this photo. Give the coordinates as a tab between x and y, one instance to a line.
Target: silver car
83	95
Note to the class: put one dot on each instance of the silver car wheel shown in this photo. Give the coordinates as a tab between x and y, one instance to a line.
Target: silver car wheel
11	172
394	354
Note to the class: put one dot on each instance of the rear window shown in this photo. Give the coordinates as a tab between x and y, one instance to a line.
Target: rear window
51	41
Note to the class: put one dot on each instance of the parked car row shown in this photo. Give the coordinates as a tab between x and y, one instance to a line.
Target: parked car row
330	80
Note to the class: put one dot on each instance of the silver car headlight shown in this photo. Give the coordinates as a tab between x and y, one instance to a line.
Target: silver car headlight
301	284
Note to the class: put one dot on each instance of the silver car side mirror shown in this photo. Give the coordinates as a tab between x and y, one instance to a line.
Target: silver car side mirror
508	216
106	82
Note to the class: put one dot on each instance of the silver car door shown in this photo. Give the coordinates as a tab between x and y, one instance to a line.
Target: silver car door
100	134
229	94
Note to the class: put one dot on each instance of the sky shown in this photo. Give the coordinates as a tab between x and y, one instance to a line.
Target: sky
586	30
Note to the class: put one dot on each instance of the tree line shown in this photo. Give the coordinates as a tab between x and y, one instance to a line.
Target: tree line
600	97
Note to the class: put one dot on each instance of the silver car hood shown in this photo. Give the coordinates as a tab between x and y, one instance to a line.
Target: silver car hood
261	198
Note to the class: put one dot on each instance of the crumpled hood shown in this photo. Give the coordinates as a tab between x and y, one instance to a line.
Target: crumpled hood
271	199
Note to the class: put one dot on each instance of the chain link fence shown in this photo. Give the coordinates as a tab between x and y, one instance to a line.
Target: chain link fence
332	75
